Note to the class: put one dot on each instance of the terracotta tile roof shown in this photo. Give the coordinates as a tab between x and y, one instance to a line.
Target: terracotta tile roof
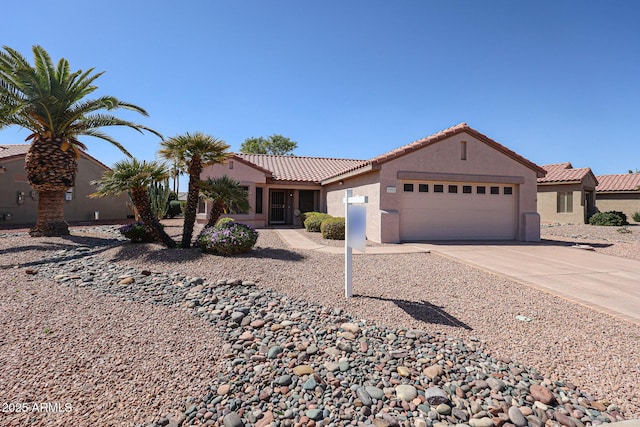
298	168
563	172
318	169
439	136
619	182
13	151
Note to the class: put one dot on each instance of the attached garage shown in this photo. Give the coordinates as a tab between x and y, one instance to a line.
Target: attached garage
438	210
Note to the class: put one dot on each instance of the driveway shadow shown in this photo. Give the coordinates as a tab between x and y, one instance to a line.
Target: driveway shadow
424	311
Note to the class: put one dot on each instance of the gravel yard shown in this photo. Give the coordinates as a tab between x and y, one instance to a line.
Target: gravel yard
124	363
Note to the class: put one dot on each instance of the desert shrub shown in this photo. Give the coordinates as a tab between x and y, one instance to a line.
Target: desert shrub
174	209
313	220
611	218
228	238
137	232
333	228
636	216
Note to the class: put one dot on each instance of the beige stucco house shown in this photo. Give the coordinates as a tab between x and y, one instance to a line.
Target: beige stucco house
457	184
566	195
620	192
19	201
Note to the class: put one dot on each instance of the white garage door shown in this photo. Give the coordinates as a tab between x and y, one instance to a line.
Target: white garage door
457	211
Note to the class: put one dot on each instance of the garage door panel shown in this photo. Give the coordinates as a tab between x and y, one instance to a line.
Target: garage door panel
447	216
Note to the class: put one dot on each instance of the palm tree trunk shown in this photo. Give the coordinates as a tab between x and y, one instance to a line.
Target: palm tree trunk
217	209
50	220
140	197
191	208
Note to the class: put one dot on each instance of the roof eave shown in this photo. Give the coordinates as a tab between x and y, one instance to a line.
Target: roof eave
369	167
618	191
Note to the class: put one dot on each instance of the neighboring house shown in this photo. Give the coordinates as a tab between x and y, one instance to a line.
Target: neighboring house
566	194
619	193
19	201
457	184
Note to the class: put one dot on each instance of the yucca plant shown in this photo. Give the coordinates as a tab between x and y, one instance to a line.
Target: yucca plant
51	102
135	177
192	153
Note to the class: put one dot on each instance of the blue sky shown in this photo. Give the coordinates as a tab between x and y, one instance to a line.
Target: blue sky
553	80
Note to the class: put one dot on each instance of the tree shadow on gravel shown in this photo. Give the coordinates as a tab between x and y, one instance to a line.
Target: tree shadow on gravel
48	247
148	253
274	253
424	311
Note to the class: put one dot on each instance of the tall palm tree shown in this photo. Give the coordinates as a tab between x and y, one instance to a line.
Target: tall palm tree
135	177
227	196
51	102
192	154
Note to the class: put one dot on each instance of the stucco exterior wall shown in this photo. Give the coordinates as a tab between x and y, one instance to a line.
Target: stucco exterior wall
445	157
548	204
79	209
363	185
629	203
247	176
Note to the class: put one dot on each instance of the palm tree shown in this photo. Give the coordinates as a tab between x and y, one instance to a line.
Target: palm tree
135	177
192	154
227	196
51	102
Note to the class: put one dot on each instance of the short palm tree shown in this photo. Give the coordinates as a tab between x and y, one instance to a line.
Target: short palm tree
135	177
193	153
51	102
226	195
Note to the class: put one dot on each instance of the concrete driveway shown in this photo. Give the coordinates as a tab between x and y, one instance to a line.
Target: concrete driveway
606	283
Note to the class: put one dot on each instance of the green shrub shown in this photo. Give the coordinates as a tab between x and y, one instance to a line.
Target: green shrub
137	232
228	238
636	216
333	228
611	218
174	209
313	220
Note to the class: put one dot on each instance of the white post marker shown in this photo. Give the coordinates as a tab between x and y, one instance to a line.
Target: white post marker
354	234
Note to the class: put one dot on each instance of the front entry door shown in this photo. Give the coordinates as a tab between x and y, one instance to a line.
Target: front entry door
277	207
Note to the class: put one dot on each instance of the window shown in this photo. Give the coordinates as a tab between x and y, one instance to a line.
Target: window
508	190
258	200
565	201
423	188
463	150
453	189
466	189
495	190
408	188
438	188
481	189
230	164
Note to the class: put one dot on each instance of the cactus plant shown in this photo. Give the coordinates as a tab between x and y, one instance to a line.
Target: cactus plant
159	196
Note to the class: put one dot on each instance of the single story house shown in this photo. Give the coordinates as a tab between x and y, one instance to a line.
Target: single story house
566	195
457	184
19	201
619	192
